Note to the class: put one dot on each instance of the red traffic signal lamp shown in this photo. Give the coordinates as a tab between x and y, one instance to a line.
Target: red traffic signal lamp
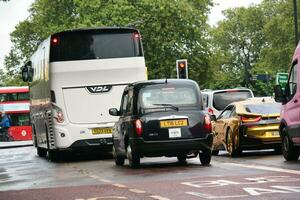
182	69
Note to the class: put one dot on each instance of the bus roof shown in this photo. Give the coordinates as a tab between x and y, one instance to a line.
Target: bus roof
14	89
98	28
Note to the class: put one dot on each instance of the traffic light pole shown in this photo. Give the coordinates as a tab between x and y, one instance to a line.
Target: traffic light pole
296	22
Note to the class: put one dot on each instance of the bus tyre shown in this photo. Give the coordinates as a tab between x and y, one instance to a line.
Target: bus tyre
289	152
205	157
133	158
41	152
119	160
53	155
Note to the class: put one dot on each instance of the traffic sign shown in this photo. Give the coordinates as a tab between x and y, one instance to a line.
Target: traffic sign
282	79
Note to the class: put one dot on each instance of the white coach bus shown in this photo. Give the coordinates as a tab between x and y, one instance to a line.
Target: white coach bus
75	76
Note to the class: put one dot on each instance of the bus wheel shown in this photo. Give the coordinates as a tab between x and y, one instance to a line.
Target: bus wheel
53	155
41	152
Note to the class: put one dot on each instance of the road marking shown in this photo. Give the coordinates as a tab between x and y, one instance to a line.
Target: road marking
207	196
119	185
100	179
274	169
159	197
105	197
137	191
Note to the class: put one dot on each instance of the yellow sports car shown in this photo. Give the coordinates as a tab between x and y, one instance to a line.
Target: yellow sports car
245	125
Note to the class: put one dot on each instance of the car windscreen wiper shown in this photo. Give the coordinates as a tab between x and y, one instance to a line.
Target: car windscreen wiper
167	105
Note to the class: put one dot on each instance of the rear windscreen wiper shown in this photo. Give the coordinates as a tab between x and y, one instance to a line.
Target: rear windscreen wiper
168	105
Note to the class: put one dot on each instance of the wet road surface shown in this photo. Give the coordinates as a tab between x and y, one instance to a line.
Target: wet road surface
255	175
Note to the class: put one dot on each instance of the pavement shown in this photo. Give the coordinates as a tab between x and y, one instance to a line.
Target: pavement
13	144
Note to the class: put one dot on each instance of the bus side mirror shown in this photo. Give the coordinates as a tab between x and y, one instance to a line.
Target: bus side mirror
114	112
279	95
25	73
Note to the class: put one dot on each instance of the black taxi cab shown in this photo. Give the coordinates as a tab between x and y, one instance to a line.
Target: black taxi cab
161	118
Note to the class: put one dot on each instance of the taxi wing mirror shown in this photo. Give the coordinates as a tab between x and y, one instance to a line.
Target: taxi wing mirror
213	118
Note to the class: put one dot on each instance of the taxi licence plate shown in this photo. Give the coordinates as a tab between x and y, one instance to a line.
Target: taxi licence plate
96	131
173	123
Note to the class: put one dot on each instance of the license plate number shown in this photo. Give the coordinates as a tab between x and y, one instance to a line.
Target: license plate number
96	131
174	132
173	123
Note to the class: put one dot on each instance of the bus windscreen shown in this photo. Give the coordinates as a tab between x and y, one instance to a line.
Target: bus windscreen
86	45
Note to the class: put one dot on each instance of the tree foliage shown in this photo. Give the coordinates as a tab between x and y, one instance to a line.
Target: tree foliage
170	30
250	41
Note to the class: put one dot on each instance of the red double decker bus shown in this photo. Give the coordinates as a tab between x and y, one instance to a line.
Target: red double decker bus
14	101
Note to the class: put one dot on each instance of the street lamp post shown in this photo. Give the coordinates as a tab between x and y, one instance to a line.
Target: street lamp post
296	22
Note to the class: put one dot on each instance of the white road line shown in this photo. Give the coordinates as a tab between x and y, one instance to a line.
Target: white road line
205	196
100	179
105	197
119	185
104	180
137	191
159	197
273	169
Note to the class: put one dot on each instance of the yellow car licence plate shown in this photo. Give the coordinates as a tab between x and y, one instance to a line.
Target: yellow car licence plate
96	131
173	123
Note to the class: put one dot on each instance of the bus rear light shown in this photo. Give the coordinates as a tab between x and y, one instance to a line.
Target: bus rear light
59	117
207	124
58	114
138	127
136	35
55	41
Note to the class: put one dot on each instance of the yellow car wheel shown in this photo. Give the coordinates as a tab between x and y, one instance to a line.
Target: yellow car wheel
232	145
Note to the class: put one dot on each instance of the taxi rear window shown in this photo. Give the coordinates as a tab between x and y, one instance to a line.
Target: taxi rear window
174	95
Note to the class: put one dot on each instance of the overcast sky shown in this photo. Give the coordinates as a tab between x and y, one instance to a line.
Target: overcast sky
14	11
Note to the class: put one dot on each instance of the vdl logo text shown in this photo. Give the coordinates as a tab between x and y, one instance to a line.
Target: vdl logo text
99	88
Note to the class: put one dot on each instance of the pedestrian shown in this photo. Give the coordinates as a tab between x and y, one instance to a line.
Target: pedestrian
4	125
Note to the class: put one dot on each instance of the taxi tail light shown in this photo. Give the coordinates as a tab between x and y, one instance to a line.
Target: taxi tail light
207	124
210	111
138	127
250	119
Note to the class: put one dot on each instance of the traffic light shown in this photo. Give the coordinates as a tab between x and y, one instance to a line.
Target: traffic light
182	69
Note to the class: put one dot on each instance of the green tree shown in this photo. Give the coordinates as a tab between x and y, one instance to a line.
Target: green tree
170	29
237	43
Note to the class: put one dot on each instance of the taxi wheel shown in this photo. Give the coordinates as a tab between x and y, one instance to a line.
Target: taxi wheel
205	157
289	152
133	158
232	147
119	160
